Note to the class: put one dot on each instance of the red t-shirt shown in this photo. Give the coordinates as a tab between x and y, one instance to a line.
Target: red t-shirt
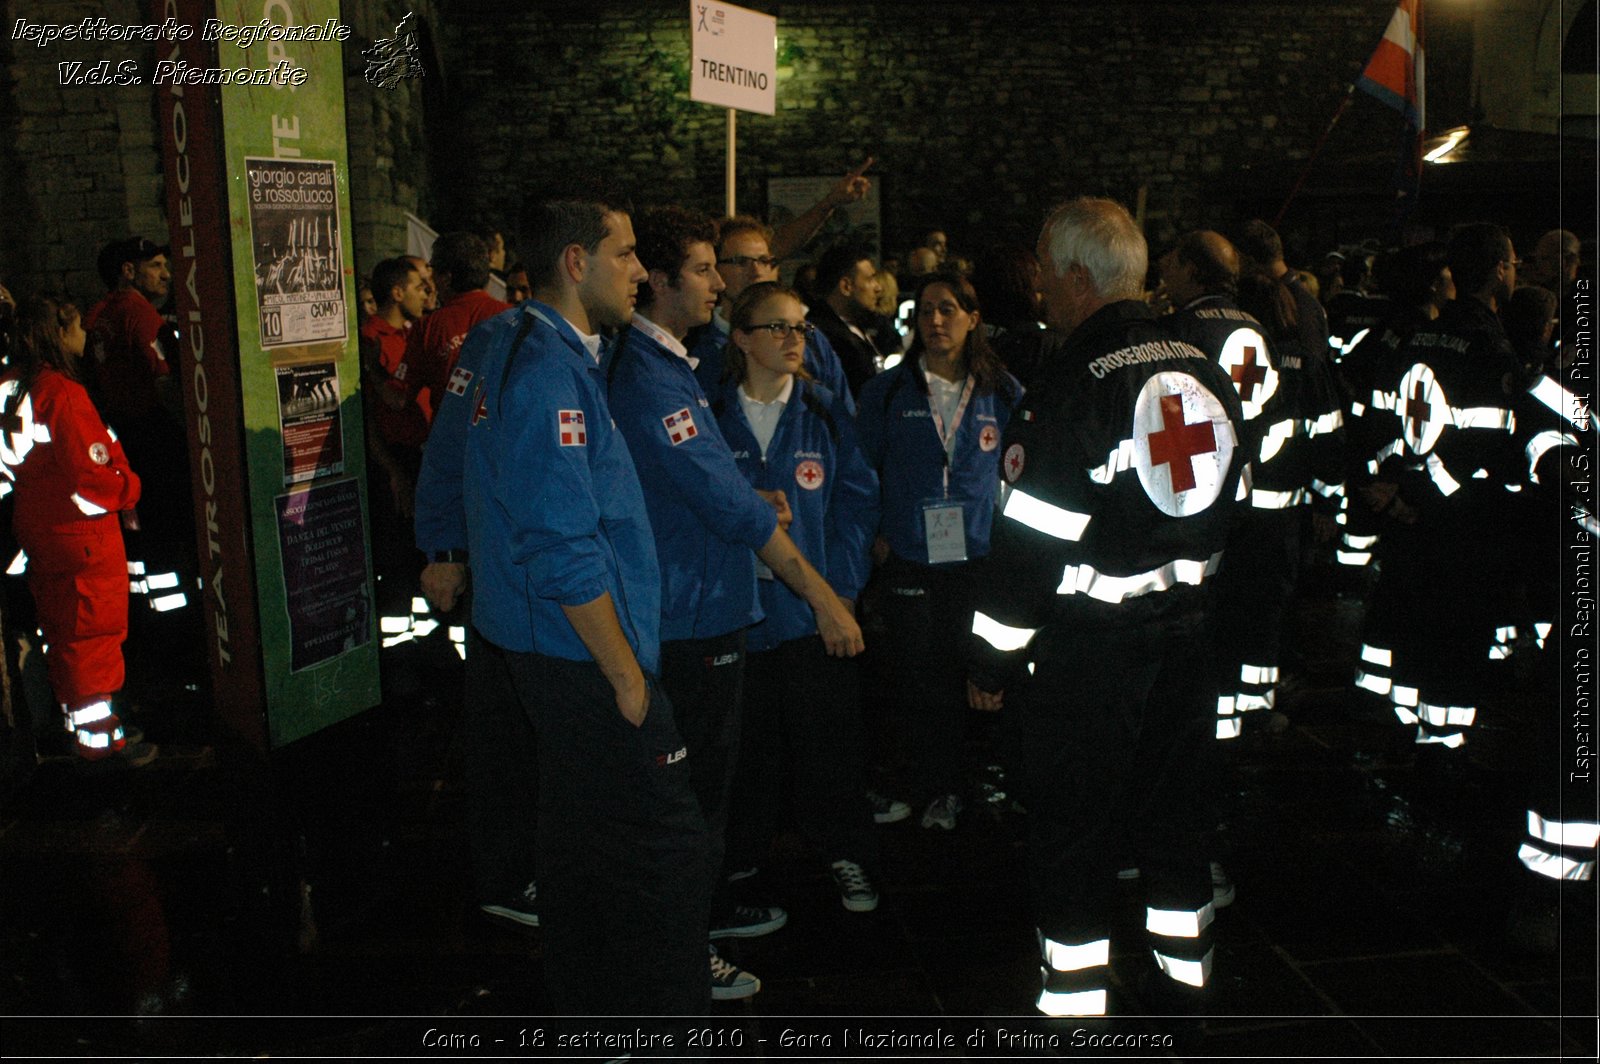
382	348
124	354
434	345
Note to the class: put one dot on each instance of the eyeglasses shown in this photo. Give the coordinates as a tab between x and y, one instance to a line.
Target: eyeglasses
748	260
782	330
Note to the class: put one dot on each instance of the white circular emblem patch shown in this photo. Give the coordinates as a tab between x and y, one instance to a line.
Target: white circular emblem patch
808	475
1244	357
1183	443
988	438
1424	411
14	446
99	454
1012	465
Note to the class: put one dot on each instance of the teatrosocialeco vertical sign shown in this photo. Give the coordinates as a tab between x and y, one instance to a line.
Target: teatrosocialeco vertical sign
734	61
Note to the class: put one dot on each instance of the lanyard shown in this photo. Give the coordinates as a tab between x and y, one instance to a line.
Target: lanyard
947	437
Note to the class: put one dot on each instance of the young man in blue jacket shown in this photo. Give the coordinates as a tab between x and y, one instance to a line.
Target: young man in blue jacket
564	567
709	526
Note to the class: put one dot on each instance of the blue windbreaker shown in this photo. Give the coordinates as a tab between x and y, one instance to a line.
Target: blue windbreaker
556	513
902	444
708	520
815	459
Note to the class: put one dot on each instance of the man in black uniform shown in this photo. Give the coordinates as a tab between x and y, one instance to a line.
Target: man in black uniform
1122	478
1450	389
1201	275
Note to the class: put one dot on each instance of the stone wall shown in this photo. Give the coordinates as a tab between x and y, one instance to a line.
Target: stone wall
980	115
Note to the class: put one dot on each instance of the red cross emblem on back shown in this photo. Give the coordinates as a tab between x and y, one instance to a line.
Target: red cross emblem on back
1418	410
1249	375
1177	442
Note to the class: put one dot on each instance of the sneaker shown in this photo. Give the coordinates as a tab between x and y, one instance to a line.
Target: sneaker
742	873
523	909
749	921
887	810
855	889
1222	891
729	982
942	812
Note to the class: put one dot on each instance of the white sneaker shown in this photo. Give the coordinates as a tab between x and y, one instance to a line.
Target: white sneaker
887	810
729	982
855	889
942	812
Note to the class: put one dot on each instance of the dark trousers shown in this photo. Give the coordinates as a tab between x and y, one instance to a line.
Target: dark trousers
922	669
623	848
704	678
1111	739
801	726
1259	572
502	775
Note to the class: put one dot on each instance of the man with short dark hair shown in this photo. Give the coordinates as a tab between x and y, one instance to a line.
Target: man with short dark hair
527	468
127	366
848	289
1430	625
710	527
460	267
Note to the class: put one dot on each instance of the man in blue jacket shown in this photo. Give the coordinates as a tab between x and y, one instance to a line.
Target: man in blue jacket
564	566
709	525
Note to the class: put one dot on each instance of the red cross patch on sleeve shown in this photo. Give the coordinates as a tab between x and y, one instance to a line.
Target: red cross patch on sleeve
459	379
569	423
680	426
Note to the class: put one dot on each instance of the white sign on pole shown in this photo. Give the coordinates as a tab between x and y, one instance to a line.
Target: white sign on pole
734	57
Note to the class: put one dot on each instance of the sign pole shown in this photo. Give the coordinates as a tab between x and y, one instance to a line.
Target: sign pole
733	165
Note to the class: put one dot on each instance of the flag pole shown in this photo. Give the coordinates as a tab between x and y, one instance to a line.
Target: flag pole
1344	105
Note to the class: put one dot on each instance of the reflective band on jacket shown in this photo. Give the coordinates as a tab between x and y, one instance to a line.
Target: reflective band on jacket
419	606
1348	557
1359	542
1248	702
1378	685
19	564
1229	729
1447	716
88	508
1543	442
174	601
1276	436
1326	490
1387	452
1194	973
1442	479
1179	923
1577	833
1554	865
1077	1003
392	625
1064	958
1452	741
1045	517
1325	423
1561	402
1258	673
1483	417
1357	408
1376	655
1246	480
1000	636
1405	715
161	581
1263	499
1085	580
1117	461
1404	696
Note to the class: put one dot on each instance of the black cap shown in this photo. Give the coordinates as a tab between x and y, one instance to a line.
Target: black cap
133	249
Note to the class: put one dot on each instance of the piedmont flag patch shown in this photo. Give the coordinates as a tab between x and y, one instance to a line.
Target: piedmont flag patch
680	426
459	379
570	425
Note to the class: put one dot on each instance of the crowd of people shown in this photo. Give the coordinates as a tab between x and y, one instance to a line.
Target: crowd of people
667	501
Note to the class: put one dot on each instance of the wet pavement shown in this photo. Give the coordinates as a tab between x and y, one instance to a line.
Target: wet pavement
319	905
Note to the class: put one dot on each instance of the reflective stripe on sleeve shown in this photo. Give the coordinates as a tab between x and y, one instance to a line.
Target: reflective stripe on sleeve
1179	923
1264	499
1117	461
1447	716
1193	973
1561	402
1576	833
1483	417
1000	636
1447	484
1332	421
1540	444
1076	1003
1062	957
1045	517
88	508
1554	865
1275	437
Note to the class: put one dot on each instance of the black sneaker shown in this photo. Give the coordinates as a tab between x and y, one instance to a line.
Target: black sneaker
855	889
729	982
523	909
887	810
749	921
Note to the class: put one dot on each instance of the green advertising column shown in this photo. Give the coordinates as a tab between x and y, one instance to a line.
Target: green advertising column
288	203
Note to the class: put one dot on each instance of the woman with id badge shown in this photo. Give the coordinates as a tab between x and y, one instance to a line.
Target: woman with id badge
801	707
931	426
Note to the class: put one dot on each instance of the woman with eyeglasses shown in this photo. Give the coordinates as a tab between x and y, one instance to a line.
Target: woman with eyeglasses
931	426
801	707
71	481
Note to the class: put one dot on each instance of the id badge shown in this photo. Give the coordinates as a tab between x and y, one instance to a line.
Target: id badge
945	523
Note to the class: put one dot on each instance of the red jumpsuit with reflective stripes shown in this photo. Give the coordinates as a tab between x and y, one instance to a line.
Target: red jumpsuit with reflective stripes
71	480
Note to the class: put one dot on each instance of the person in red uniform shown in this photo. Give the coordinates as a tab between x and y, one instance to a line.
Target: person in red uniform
461	270
71	480
129	369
